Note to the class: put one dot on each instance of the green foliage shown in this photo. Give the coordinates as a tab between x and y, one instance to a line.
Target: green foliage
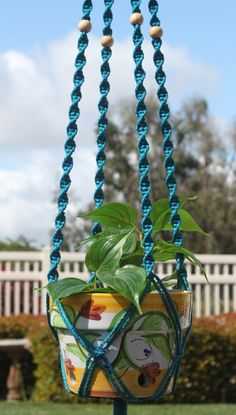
108	250
208	372
19	244
116	253
129	281
188	223
117	215
65	287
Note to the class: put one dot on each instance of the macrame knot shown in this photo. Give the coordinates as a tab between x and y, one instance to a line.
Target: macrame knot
99	351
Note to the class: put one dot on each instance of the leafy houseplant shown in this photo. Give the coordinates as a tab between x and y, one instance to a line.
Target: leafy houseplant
115	255
142	353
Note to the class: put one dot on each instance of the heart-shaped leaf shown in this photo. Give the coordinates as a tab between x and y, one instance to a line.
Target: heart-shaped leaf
114	215
107	251
134	258
188	223
128	281
65	287
162	205
166	247
129	246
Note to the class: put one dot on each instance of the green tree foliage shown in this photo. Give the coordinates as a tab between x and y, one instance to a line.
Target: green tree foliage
19	244
205	165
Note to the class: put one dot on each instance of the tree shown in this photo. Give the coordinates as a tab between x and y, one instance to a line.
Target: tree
19	244
202	167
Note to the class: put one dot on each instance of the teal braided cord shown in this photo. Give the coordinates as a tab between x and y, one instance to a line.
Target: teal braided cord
168	147
70	145
97	354
143	146
103	108
63	372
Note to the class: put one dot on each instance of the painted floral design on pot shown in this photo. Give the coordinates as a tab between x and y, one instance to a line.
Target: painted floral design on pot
91	311
141	355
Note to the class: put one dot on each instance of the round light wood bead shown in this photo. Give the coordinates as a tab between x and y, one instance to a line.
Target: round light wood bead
136	18
156	31
107	41
85	26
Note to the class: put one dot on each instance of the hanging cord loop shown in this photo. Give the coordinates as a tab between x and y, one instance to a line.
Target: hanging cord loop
70	145
103	109
143	146
168	147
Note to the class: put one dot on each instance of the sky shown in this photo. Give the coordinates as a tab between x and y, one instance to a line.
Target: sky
37	51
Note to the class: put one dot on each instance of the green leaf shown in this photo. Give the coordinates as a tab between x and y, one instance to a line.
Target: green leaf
170	277
169	281
129	246
162	206
100	290
107	251
162	221
163	256
128	281
167	247
161	216
65	288
188	223
114	215
87	240
134	259
159	207
185	199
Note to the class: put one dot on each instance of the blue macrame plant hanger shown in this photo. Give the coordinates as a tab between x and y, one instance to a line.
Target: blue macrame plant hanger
96	354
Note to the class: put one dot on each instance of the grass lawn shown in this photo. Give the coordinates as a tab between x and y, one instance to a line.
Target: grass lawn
96	409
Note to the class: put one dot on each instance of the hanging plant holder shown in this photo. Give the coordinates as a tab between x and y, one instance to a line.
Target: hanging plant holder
140	356
109	347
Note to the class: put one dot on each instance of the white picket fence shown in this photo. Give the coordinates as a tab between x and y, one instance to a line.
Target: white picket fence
23	273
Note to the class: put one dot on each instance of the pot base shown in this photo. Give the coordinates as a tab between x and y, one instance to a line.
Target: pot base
141	355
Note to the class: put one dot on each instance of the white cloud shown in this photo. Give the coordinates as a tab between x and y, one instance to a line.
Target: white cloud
35	96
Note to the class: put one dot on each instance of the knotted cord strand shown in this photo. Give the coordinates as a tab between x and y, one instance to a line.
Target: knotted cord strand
168	147
143	146
103	109
70	145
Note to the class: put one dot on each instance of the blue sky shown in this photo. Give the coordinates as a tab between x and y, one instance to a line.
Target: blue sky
37	50
206	27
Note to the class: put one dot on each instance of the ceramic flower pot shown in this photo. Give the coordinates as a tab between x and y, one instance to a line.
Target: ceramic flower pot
141	356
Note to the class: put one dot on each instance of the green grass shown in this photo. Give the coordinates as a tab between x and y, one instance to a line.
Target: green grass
88	409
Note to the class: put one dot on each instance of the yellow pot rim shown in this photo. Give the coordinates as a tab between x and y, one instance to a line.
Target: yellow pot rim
152	295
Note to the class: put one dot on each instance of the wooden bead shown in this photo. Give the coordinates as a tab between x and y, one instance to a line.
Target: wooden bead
107	41
85	26
136	18
156	31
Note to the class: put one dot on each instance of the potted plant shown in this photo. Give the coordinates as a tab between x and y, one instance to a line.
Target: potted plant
141	355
